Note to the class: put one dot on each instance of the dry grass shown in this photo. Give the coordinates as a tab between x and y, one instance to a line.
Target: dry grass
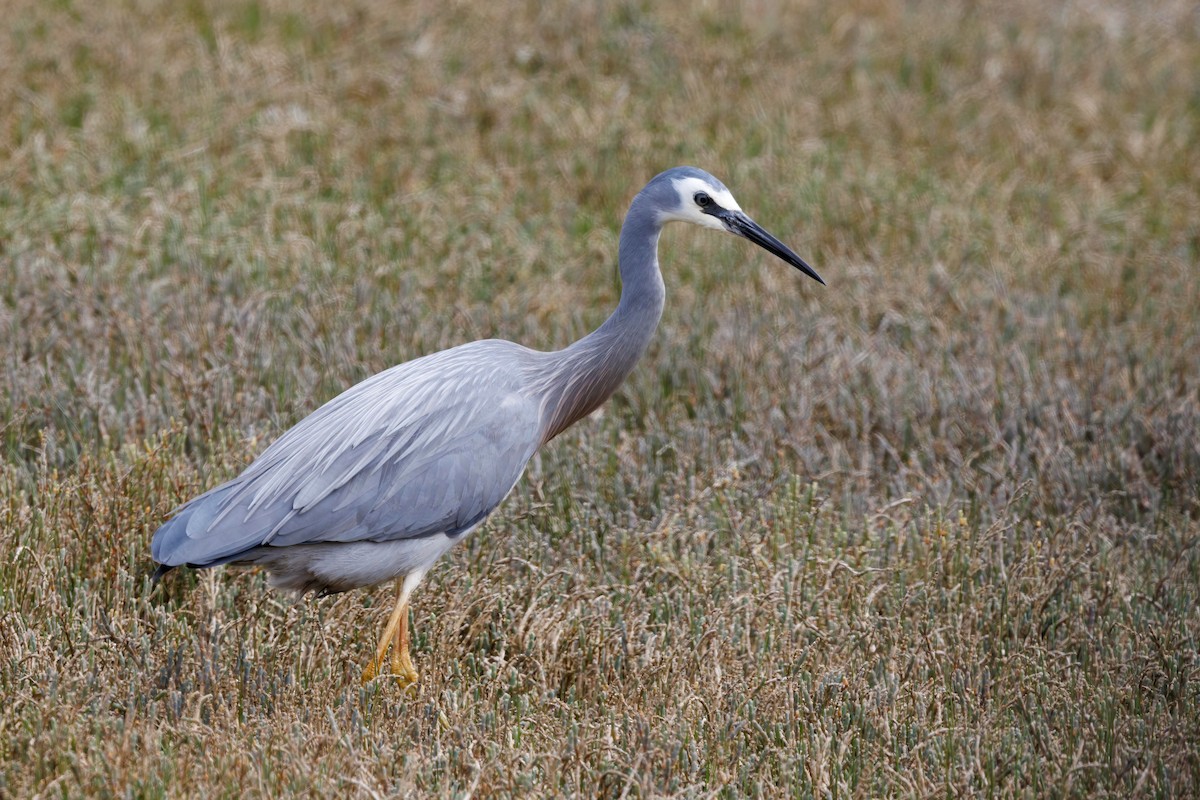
930	531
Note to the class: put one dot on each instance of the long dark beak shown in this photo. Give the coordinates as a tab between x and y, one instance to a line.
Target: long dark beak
738	223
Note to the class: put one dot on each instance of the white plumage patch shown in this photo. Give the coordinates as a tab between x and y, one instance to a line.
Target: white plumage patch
690	212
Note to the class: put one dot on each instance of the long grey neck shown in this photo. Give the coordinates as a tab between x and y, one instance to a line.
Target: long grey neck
585	374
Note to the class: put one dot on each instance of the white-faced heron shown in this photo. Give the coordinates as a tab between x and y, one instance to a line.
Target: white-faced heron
383	479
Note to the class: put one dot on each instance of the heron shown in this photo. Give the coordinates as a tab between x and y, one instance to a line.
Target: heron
381	481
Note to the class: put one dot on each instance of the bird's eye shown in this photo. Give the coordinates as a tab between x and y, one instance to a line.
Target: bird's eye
702	199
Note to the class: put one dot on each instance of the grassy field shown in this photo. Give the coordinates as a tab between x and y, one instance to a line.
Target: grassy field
931	530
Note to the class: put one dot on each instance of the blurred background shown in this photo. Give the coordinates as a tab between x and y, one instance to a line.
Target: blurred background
929	529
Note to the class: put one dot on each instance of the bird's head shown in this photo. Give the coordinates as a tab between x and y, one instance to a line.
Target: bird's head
688	194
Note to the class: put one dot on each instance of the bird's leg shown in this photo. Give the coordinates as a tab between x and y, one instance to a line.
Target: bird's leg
375	666
402	665
395	635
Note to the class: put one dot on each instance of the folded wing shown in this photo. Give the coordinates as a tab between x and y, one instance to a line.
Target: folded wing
430	446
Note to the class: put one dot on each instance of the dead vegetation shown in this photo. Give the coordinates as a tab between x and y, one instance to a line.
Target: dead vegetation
930	531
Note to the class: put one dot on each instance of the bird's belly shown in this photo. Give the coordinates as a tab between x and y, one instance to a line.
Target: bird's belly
340	566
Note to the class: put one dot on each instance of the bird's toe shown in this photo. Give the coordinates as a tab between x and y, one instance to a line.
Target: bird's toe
405	673
400	668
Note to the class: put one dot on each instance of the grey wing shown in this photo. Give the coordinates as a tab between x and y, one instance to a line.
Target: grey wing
430	446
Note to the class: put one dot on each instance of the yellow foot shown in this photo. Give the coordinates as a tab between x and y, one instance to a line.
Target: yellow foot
395	638
406	674
399	668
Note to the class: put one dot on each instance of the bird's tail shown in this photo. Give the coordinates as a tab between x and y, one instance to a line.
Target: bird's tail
163	569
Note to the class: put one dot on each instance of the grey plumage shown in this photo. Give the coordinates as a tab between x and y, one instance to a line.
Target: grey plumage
380	481
408	453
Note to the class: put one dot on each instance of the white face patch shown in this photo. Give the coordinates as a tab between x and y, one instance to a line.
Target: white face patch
690	212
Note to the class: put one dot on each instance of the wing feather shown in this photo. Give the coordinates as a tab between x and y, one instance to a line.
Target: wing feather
430	446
